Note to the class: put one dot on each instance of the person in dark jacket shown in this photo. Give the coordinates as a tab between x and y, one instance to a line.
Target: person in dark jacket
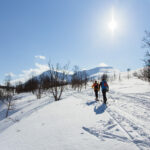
105	88
96	89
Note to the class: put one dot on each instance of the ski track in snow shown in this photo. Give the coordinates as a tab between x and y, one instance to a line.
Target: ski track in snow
135	132
25	109
132	128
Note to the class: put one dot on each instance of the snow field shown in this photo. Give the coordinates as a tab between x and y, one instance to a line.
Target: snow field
79	122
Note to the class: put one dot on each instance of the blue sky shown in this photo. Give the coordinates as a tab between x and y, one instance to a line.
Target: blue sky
74	31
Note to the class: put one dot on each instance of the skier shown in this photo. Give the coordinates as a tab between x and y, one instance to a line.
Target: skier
96	89
105	88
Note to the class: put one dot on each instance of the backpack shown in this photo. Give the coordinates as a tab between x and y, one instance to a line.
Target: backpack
104	86
96	86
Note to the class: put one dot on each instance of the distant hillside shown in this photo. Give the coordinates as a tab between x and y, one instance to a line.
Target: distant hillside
91	73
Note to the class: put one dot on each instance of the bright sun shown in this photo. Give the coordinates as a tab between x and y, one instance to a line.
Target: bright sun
112	24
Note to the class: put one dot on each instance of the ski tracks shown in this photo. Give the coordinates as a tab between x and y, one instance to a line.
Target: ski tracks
134	132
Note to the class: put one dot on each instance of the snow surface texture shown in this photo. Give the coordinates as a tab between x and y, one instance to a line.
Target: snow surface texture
79	122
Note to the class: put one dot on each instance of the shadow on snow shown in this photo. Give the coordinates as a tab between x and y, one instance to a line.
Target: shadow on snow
91	103
100	109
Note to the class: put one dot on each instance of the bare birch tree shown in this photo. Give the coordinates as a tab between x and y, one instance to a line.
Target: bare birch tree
58	79
8	95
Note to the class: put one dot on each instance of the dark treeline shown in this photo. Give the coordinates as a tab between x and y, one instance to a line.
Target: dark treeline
79	80
54	82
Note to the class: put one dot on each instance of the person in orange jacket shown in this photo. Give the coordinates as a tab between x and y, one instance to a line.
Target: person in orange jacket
96	89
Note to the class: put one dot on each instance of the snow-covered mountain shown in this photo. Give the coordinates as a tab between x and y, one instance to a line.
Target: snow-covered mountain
94	72
98	71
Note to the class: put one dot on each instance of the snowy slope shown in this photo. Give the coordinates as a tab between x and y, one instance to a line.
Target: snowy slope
93	72
78	122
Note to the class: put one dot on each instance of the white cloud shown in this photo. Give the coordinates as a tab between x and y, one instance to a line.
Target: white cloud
40	57
27	74
10	74
102	65
83	69
36	71
42	67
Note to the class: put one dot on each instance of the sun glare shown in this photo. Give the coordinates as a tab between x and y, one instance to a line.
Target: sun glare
112	24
